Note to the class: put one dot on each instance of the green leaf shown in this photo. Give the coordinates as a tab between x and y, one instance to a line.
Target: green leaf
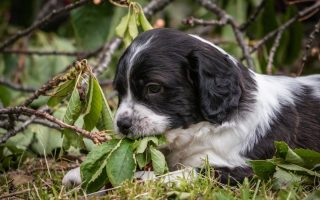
121	29
281	149
61	92
73	112
284	179
314	195
94	107
121	164
91	24
142	160
144	143
264	169
297	168
5	96
132	28
93	166
106	114
144	21
310	158
127	39
158	161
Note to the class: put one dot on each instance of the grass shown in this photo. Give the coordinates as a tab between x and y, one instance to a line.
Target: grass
41	179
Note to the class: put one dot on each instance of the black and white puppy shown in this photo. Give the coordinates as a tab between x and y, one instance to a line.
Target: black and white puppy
209	105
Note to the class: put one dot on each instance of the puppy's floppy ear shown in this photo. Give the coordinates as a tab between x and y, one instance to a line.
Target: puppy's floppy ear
218	82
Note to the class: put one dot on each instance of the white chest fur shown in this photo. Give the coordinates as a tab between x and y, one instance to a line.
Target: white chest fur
190	147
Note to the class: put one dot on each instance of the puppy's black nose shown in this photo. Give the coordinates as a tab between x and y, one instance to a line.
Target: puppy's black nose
124	125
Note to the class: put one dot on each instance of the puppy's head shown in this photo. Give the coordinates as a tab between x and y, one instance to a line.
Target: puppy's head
167	79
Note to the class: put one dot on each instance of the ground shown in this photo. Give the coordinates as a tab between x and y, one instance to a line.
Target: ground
40	178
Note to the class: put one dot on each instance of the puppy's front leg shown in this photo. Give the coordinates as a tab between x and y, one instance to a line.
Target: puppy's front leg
72	178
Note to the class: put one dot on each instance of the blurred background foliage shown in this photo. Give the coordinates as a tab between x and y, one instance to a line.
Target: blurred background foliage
89	27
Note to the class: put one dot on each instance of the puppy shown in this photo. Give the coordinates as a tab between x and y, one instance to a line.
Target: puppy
209	106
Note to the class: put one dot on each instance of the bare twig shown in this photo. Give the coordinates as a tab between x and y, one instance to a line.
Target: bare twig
16	86
40	23
40	122
273	51
287	24
96	137
253	17
46	87
44	53
312	36
106	55
209	5
195	21
49	5
155	6
13	132
15	194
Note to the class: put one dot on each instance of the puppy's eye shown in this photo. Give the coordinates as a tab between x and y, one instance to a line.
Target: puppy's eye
154	88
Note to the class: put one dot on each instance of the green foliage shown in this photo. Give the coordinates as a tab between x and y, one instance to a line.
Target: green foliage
128	26
94	104
289	167
119	159
92	24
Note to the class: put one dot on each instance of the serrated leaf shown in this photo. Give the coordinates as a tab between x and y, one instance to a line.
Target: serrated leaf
94	107
310	158
121	29
132	28
121	164
61	92
73	112
144	21
297	168
143	144
158	161
285	152
106	114
264	169
94	164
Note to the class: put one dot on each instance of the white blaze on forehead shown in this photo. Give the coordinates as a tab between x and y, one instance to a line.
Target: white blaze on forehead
144	120
133	53
217	47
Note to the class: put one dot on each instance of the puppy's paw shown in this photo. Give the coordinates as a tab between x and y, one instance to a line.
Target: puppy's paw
72	178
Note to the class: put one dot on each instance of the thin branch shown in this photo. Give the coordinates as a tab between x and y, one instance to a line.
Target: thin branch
44	53
96	137
41	91
253	16
16	86
209	5
273	51
271	34
312	36
195	21
40	122
106	55
14	194
14	132
40	23
155	6
50	5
